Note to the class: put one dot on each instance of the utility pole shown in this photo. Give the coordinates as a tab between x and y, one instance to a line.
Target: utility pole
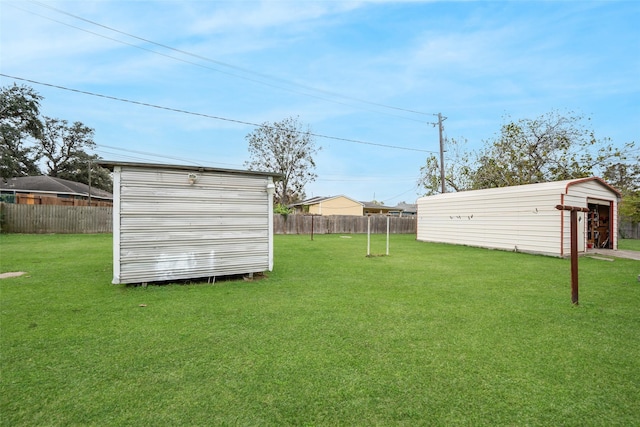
440	119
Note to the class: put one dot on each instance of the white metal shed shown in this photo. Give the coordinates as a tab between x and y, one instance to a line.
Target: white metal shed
523	218
181	222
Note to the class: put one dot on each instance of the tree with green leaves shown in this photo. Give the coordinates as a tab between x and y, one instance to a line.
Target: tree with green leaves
288	148
64	151
62	145
20	127
551	147
458	170
625	176
27	140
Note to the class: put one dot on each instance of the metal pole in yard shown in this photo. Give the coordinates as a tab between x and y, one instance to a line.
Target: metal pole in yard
574	248
368	236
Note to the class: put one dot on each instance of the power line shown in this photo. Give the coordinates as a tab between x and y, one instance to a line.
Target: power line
209	116
247	71
145	153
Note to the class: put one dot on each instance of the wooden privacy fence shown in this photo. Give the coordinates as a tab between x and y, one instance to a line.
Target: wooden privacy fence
35	219
629	230
339	224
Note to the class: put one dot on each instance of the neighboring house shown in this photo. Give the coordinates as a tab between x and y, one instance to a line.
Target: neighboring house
47	190
404	209
343	205
375	208
523	218
335	205
181	222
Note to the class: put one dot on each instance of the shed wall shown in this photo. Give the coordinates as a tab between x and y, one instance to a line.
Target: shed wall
510	220
169	229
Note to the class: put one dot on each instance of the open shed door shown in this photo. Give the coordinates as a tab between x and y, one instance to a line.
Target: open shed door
599	223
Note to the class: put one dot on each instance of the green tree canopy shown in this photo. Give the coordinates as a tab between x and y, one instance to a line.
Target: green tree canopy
551	147
20	126
626	178
29	140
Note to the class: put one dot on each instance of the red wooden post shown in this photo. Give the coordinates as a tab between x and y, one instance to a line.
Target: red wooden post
574	248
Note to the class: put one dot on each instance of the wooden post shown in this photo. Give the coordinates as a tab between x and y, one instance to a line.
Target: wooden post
574	248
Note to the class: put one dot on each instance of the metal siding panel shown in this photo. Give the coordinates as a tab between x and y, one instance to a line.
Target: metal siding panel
522	218
171	229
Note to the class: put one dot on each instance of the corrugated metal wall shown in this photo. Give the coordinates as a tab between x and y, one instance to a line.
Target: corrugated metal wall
170	229
506	218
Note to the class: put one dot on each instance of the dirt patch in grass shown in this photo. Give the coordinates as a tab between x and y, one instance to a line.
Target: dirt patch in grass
11	274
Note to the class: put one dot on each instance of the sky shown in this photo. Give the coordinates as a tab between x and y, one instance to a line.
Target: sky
185	82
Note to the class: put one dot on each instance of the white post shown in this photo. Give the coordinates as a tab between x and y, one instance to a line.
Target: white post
117	171
368	236
387	236
271	189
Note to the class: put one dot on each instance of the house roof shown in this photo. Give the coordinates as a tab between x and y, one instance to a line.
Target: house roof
376	205
49	184
406	207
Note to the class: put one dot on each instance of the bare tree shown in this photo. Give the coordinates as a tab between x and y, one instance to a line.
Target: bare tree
286	147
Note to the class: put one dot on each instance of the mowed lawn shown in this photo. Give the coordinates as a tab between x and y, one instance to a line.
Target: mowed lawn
430	335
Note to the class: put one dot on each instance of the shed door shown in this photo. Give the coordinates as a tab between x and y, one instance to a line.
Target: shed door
582	231
599	224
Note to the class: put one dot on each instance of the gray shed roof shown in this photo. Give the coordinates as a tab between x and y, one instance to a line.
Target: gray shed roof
111	164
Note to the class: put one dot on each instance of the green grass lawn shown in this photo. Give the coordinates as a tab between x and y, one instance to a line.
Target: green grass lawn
629	244
431	335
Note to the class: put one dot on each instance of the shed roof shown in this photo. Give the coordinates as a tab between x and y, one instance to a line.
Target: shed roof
561	187
50	184
191	168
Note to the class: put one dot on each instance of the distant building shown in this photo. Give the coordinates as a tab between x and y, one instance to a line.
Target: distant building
343	205
376	208
48	190
404	209
334	205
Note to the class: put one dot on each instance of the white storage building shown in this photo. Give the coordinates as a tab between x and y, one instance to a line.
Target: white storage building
523	218
181	222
